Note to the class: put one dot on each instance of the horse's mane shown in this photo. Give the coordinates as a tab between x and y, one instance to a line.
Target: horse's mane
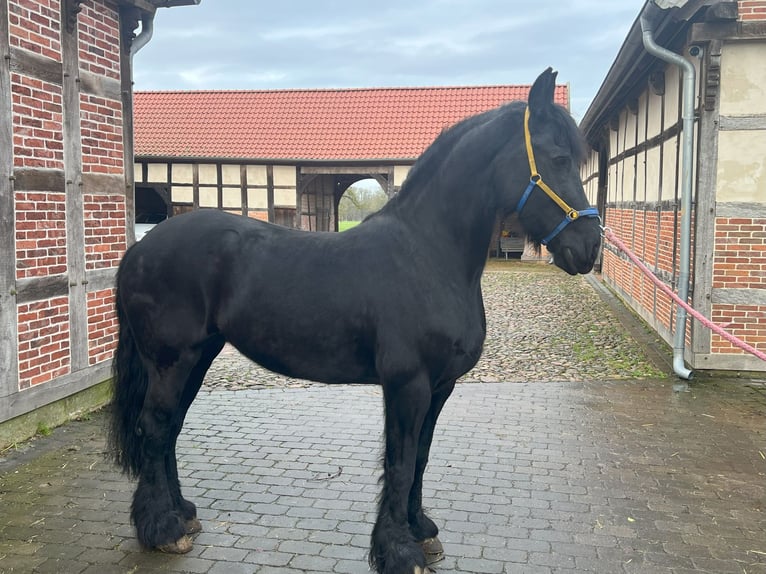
567	134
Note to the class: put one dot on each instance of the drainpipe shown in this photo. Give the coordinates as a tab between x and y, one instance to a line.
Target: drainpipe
147	29
648	17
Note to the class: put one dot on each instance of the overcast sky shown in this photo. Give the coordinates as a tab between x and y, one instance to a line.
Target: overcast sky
246	44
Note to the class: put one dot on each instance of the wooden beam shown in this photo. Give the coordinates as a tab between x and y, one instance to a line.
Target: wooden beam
9	358
100	86
140	4
75	217
752	122
38	179
704	223
127	25
345	170
270	191
40	288
35	66
57	389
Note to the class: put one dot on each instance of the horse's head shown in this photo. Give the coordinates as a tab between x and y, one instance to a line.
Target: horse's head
551	203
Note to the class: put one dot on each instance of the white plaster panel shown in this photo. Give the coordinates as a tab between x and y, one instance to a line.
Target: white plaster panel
208	174
612	184
157	172
640	193
232	197
669	170
257	199
284	197
743	78
655	115
642	116
208	197
284	175
230	174
256	175
653	174
138	172
400	174
182	173
672	89
741	166
181	194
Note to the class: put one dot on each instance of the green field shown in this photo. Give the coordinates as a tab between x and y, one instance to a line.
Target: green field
344	225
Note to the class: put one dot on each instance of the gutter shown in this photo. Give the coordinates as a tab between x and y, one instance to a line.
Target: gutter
649	15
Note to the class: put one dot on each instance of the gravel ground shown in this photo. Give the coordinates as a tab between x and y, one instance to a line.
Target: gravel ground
542	325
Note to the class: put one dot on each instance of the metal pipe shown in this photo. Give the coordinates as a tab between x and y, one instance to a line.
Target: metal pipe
687	144
147	30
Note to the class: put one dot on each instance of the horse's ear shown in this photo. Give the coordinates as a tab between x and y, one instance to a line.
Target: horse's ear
542	92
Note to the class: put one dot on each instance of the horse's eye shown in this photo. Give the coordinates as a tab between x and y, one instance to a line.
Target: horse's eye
562	162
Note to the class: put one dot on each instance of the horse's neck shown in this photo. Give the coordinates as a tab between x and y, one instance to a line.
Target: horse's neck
453	216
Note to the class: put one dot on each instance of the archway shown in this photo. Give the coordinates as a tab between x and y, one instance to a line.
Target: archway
358	200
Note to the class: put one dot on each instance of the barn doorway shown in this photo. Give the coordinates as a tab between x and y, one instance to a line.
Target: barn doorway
358	200
152	207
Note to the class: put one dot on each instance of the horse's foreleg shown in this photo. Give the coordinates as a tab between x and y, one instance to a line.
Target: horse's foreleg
423	528
393	549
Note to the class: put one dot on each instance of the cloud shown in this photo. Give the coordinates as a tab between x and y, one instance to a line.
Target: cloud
240	44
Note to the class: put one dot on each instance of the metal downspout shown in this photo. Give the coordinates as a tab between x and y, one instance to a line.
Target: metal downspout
687	144
147	30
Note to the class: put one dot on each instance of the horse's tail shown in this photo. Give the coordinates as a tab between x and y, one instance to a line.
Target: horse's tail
130	381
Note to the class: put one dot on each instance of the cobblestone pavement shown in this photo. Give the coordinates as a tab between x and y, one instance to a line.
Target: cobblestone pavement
582	473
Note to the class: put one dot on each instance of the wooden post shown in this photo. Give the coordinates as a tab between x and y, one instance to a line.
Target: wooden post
78	308
128	23
704	221
9	364
270	191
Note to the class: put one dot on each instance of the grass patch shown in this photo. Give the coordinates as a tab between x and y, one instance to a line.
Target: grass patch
345	225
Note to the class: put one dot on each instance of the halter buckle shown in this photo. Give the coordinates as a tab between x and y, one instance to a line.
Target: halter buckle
573	214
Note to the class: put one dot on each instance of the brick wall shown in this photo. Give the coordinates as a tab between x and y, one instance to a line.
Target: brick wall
40	234
752	10
102	326
46	324
104	230
99	40
43	341
740	263
34	26
652	238
37	123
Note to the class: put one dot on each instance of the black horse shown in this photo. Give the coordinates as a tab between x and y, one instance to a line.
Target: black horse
395	301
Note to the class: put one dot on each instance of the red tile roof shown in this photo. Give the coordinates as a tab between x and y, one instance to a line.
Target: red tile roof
343	124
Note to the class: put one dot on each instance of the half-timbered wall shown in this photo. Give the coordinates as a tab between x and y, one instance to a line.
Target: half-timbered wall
634	175
62	197
269	192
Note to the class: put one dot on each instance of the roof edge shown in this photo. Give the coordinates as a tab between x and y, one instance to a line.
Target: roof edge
633	61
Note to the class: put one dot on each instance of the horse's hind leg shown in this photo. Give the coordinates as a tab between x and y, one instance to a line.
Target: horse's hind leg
393	549
423	528
186	508
158	521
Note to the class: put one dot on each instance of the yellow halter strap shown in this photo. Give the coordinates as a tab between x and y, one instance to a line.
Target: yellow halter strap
537	178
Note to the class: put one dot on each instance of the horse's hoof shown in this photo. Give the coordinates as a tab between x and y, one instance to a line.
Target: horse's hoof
193	525
433	549
180	546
